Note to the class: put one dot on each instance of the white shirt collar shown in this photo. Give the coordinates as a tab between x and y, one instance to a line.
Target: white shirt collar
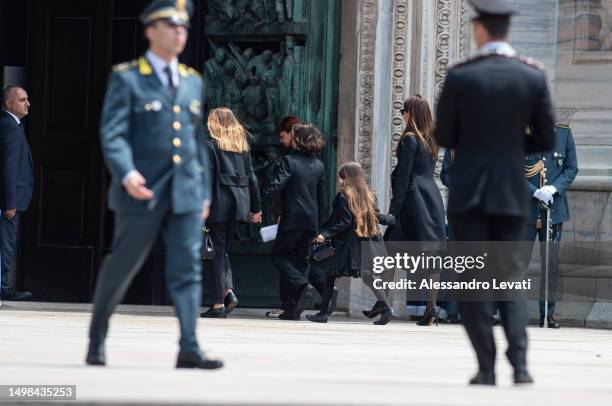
498	47
158	65
15	117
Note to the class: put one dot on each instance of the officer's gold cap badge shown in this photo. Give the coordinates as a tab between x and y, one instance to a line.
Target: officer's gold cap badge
180	5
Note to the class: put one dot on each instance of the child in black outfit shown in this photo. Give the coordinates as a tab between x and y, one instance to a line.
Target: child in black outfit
352	225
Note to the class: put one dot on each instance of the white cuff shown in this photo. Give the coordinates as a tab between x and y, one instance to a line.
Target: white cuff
128	175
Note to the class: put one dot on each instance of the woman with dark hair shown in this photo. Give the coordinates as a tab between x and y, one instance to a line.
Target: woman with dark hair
416	202
299	181
284	137
284	130
235	198
353	226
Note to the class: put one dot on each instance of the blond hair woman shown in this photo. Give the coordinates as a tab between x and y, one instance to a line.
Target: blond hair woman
235	198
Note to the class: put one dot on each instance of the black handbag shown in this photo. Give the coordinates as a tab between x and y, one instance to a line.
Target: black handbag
323	251
208	250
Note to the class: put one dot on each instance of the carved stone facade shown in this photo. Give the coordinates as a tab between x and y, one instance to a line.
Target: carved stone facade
401	59
573	38
367	40
425	37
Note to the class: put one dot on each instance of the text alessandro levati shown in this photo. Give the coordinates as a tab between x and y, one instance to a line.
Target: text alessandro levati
406	284
429	263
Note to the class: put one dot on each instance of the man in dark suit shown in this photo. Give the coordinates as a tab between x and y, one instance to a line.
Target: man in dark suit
16	182
485	107
151	139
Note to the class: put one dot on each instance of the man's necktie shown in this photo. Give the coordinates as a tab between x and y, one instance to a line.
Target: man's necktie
171	84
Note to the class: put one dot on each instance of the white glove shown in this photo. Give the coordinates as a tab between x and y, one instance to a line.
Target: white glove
549	189
545	194
538	194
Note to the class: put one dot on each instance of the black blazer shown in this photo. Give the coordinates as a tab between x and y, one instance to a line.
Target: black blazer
299	180
235	192
341	227
492	110
17	178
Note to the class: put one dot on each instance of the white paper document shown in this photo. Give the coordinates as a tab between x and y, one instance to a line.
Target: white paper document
268	233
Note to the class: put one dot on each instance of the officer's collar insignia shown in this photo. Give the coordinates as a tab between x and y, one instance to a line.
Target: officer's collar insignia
183	70
180	5
195	106
143	66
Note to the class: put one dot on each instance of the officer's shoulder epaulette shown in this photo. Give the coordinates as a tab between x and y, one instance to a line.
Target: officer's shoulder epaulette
566	126
531	62
125	66
194	72
187	71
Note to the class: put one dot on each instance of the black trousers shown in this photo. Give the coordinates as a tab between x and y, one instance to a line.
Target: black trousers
221	235
9	231
476	315
553	261
290	257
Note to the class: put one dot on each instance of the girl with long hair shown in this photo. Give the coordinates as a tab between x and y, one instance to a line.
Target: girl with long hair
235	198
353	226
417	203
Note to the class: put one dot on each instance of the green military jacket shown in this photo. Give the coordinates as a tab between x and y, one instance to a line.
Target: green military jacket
144	127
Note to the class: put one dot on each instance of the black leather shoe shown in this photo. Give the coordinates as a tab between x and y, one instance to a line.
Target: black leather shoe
305	295
483	378
453	319
375	311
287	315
230	302
552	323
317	318
11	294
95	354
333	302
196	360
213	313
522	377
385	317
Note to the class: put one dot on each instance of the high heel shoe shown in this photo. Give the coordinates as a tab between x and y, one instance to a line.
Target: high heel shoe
375	311
429	318
317	318
385	316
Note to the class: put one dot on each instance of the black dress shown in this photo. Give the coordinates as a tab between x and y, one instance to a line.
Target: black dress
341	228
416	203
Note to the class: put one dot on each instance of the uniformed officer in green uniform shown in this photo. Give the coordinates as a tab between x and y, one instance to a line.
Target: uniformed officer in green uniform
548	176
151	139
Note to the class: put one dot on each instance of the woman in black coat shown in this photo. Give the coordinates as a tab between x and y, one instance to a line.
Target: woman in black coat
417	203
353	226
299	182
235	198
